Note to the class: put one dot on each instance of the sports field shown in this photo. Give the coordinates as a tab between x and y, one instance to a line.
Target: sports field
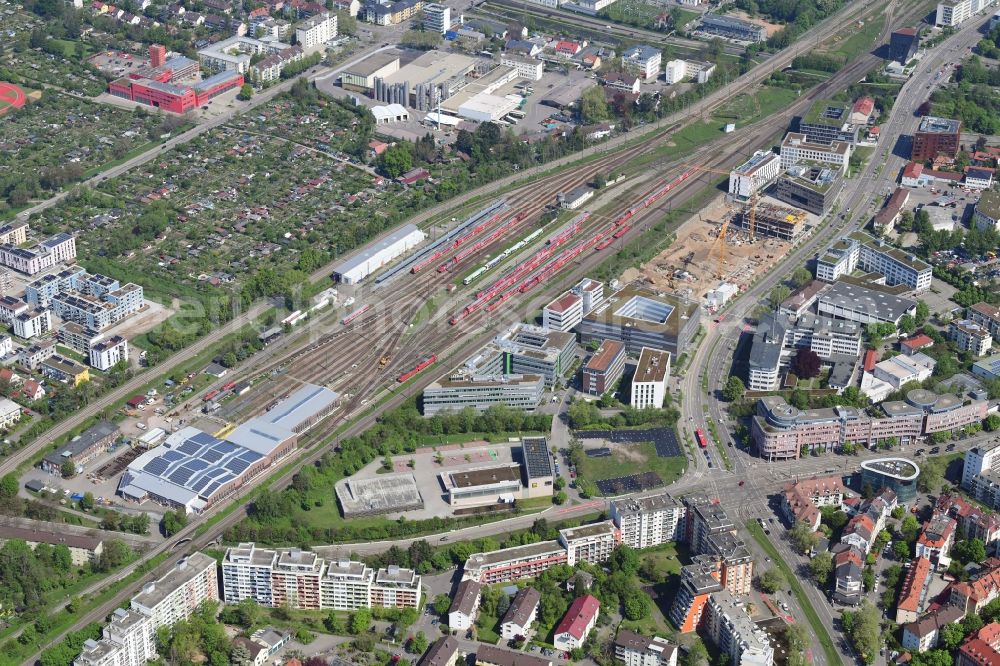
11	96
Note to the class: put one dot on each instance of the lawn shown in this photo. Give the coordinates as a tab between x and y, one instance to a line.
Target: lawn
486	626
860	40
633	459
660	562
832	657
748	108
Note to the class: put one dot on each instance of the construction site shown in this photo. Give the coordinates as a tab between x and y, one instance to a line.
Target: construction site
706	268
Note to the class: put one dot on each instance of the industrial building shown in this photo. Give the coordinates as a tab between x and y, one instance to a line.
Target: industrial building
175	98
729	27
83	448
795	148
859	250
813	188
780	431
827	121
771	221
604	368
424	81
376	255
754	175
649	383
639	317
936	136
386	493
500	483
361	76
193	470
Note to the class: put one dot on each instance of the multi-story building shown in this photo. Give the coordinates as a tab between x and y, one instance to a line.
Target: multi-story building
970	337
483	391
825	336
781	431
650	520
526	68
649	383
77	337
797	148
395	587
973	595
316	30
922	635
31	357
10	307
32	323
128	640
983	314
764	362
520	614
734	633
735	562
592	293
464	605
576	625
643	61
564	313
177	98
604	368
913	594
981	474
936	136
981	648
633	649
802	500
974	521
698	580
64	370
639	317
937	538
83	448
827	121
987	211
729	27
952	13
270	68
106	354
589	543
174	597
812	188
236	53
524	349
490	655
437	17
15	233
511	564
705	517
98	312
858	250
903	44
753	175
10	413
246	574
52	251
346	585
845	299
295	579
847	577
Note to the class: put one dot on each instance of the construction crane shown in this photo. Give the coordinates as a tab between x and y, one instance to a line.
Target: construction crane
719	247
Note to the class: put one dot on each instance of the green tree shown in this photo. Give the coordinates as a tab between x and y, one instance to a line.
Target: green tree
734	389
68	468
801	277
360	620
907	324
901	551
229	360
863	630
9	486
697	654
923	312
87	501
803	536
246	92
821	567
396	160
419	643
593	105
969	550
624	559
931	474
932	658
173	521
114	554
772	580
991	423
909	529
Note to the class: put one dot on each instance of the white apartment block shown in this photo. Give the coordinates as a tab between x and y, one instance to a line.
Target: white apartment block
754	175
10	413
734	633
174	597
6	345
346	585
32	323
465	605
108	353
970	337
796	148
564	313
634	649
649	521
316	30
236	53
129	640
437	18
675	71
589	543
395	587
246	574
14	234
952	13
50	252
526	68
649	383
643	61
521	614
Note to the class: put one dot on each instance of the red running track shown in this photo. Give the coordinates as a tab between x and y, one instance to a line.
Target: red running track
13	95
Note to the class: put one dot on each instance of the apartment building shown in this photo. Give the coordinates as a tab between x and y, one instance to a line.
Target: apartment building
975	522
699	580
649	521
797	148
31	357
32	323
128	640
52	251
604	368
862	251
236	53
10	307
10	413
970	337
564	313
633	649
937	538
464	605
913	594
981	648
15	233
246	574
643	61
346	585
734	633
922	635
395	587
730	27
705	517
802	500
316	30
174	597
295	579
649	383
754	175
521	613
576	625
437	17
512	564
106	354
983	314
97	312
589	543
735	562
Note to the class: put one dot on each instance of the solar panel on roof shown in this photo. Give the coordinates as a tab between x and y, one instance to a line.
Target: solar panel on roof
172	456
155	466
250	456
200	483
181	476
212	455
203	438
189	447
225	447
236	465
196	465
211	489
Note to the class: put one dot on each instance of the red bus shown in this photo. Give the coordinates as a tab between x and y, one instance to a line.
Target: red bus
699	435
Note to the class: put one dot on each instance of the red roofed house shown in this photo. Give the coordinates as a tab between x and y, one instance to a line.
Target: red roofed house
414	176
568	48
860	532
377	147
912	345
577	624
982	648
801	500
913	175
871	358
862	110
976	523
912	595
32	390
936	539
975	594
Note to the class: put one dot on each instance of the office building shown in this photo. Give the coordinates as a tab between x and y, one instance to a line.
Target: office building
633	649
754	175
987	316
825	336
604	368
592	293
952	13
521	613
176	595
812	188
729	27
526	68
865	305
796	148
576	625
896	474
781	431
970	337
649	383
643	61
316	31
437	17
859	250
464	605
106	354
563	313
828	121
936	136
639	317
480	392
903	44
766	348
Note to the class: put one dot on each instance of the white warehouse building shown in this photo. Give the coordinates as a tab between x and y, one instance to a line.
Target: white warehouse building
377	255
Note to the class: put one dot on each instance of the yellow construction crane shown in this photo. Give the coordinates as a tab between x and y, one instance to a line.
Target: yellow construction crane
719	247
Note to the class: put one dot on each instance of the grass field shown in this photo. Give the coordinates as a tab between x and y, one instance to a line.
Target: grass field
748	108
860	40
632	459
